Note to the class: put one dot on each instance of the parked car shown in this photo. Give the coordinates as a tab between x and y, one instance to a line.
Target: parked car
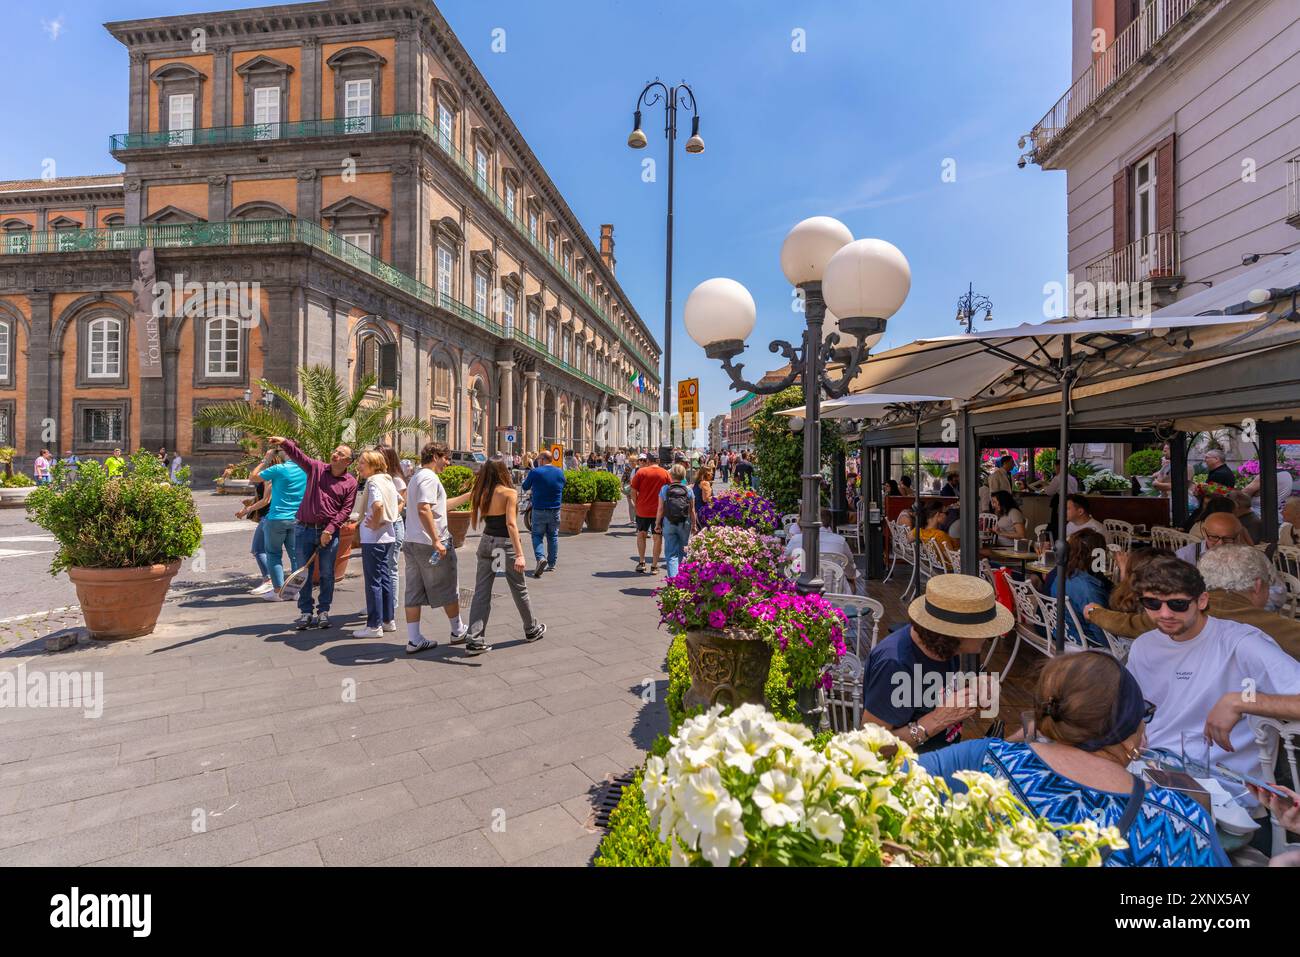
471	460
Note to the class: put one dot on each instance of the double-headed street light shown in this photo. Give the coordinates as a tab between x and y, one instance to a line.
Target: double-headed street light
862	282
656	91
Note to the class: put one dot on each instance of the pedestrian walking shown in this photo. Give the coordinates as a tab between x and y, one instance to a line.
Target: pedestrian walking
326	505
255	510
703	487
646	483
546	485
629	469
495	503
287	483
431	573
395	471
43	466
174	468
675	518
380	509
115	465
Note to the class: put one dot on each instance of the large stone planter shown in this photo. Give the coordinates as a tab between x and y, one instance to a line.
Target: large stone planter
122	602
572	516
235	487
601	514
458	524
728	668
16	497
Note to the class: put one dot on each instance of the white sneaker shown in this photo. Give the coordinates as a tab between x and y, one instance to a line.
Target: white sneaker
262	589
390	626
271	595
368	633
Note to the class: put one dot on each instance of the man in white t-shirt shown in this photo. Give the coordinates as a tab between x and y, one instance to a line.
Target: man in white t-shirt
828	543
1205	675
1078	516
1054	486
427	534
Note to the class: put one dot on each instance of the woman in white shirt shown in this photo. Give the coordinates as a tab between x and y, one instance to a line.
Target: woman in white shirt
1011	522
380	509
398	474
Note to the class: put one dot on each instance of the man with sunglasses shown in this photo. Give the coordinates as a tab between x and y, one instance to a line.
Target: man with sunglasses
1207	674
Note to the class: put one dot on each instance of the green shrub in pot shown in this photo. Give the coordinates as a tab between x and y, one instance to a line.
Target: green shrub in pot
457	480
579	486
608	487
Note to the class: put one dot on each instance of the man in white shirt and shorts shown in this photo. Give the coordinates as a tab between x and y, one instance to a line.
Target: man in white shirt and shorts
427	534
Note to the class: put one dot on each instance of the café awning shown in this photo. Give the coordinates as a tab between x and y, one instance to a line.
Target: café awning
864	405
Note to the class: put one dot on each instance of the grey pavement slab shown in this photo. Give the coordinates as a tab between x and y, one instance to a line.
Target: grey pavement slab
317	748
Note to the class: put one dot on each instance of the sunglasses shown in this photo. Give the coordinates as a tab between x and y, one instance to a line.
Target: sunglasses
1149	712
1179	605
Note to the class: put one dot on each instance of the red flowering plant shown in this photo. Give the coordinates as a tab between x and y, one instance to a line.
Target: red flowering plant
807	630
1205	490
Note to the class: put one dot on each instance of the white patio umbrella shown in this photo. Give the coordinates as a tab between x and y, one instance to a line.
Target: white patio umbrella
964	366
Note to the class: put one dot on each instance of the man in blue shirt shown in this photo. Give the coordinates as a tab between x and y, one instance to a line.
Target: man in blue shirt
546	483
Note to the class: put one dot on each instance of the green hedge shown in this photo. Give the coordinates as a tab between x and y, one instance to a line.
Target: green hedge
632	840
579	486
1143	462
457	480
781	698
608	487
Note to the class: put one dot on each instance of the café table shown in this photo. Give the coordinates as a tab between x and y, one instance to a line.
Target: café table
1009	556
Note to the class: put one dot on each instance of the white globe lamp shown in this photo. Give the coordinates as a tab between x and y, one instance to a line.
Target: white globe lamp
809	246
720	315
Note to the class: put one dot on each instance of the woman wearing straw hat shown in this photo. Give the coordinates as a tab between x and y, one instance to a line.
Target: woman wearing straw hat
905	681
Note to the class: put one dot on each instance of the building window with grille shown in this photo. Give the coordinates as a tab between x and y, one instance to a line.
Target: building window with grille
358	97
480	292
362	241
266	112
104	359
6	425
6	348
510	199
180	119
565	357
532	224
368	359
568	262
18	241
222	347
103	426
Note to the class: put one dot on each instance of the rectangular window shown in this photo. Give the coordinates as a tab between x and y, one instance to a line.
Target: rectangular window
18	242
480	293
440	431
6	427
1144	197
481	168
550	338
565	357
105	349
508	311
568	262
532	323
532	224
357	96
550	244
266	113
4	354
446	127
361	240
102	426
180	119
442	384
223	347
510	200
66	239
219	436
445	263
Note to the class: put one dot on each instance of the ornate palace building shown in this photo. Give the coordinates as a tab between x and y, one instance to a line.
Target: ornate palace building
345	188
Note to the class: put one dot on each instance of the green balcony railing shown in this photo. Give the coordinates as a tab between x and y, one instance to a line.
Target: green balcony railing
361	125
268	232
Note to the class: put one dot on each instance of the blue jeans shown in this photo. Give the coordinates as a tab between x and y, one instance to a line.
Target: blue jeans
676	535
308	542
259	549
277	534
546	524
399	529
376	566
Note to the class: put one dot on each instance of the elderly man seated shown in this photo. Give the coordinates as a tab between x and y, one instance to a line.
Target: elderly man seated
1239	578
1221	528
1289	533
829	543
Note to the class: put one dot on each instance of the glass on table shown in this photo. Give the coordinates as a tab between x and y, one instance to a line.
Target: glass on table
1196	753
1029	725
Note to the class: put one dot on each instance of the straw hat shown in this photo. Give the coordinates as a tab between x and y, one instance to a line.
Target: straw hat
961	606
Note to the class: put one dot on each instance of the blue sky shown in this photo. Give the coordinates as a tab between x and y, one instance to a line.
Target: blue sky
858	126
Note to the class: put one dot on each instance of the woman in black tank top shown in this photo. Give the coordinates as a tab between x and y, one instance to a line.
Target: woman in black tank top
495	502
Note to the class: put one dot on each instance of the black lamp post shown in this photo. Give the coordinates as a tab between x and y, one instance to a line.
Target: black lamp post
863	281
655	92
970	304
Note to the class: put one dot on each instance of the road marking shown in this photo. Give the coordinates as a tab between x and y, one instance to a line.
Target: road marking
225	528
28	538
21	553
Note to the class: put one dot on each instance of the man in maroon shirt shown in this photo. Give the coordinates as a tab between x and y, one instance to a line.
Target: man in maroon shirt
326	505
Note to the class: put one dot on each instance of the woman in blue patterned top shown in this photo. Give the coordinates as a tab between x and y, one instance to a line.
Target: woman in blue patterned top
1092	713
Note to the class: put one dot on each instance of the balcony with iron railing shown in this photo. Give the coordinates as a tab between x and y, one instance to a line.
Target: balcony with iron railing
268	232
266	133
1154	258
1135	45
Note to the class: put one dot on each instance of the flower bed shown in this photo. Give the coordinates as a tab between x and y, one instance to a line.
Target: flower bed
749	789
745	509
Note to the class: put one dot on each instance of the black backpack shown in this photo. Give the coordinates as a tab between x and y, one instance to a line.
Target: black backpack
677	503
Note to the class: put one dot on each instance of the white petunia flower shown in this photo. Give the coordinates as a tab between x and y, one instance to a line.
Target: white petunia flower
826	826
745	742
728	839
655	784
702	796
780	797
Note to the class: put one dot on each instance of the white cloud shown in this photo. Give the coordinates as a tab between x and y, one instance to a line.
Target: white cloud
53	27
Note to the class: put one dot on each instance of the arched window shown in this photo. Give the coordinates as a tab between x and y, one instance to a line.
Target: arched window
104	348
368	358
222	346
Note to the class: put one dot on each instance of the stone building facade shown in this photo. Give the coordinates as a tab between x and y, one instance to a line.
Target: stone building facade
346	190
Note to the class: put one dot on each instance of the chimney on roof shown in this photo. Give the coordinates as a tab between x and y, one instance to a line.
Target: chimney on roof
607	244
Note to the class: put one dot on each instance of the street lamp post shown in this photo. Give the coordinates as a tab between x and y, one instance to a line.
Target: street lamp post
970	304
655	92
863	282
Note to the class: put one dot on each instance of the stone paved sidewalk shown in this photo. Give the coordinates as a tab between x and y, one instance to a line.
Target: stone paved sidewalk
229	738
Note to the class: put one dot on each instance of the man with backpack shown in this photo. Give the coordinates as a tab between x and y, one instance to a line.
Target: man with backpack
675	518
646	485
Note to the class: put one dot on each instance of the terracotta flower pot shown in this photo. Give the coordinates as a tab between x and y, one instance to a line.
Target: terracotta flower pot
601	514
122	602
458	522
347	541
572	516
729	668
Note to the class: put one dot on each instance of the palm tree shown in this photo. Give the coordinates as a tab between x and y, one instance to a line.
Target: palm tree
325	418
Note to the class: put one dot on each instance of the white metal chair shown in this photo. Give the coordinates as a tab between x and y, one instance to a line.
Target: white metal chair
932	561
786	521
1287	559
844	699
1291	605
1043	533
864	616
988	525
1119	532
951	556
900	546
833	575
1272	734
1162	536
986	570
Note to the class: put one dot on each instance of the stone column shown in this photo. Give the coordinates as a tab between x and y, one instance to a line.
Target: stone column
222	87
42	381
310	78
308	196
138	108
505	400
532	428
217	199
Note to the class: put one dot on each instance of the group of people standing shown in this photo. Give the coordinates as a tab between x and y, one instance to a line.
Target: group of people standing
115	464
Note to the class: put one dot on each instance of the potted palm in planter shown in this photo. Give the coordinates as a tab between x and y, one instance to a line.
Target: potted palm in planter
579	493
121	539
325	417
457	480
608	491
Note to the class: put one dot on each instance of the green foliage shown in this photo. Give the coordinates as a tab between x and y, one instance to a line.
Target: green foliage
1143	462
1045	465
323	419
7	455
781	698
632	840
779	452
17	480
608	487
457	480
136	519
580	486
